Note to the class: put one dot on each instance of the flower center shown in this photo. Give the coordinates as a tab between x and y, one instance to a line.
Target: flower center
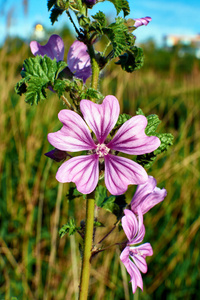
102	150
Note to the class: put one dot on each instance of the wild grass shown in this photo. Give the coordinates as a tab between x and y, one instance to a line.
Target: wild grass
34	262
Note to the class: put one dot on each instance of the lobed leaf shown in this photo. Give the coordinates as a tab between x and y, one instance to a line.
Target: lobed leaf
132	59
69	228
38	73
146	160
121	5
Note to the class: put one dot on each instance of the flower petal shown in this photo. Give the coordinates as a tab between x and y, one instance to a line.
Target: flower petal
131	138
78	60
53	49
82	170
136	279
129	224
142	21
139	259
120	172
74	135
140	263
147	196
101	118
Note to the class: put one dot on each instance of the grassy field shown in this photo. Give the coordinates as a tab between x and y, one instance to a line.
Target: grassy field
34	262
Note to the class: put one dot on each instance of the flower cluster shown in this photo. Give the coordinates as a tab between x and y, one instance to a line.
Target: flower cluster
78	58
133	256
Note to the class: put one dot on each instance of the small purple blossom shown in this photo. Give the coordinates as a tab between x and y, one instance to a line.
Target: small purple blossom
147	195
78	58
90	3
57	155
142	21
75	136
133	257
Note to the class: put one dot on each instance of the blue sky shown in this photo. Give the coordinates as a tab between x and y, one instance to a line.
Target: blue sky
168	17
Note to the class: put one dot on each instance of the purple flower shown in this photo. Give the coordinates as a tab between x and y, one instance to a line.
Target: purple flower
79	60
53	49
75	136
147	196
142	21
133	257
78	57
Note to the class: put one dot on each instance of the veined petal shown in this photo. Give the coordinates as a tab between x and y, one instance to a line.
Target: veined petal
136	278
120	172
101	118
129	224
139	255
131	138
53	49
140	263
78	60
147	196
82	170
142	21
74	135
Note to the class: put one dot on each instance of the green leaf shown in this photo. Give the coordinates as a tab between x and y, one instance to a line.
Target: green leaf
166	139
98	224
119	36
60	87
69	228
122	119
121	5
109	203
91	94
38	73
100	17
131	60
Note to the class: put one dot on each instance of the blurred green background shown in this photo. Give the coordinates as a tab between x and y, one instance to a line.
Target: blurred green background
34	262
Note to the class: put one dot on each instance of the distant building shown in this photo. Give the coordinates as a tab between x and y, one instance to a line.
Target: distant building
190	44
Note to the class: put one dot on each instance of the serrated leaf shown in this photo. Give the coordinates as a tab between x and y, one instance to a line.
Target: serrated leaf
38	73
91	94
131	60
69	228
100	17
36	90
166	139
51	3
60	87
119	36
122	119
121	5
55	13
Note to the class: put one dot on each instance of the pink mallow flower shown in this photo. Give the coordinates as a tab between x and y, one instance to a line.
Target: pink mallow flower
75	136
142	21
133	256
78	58
147	195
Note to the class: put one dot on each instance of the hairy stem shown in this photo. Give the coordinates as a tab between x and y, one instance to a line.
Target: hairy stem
95	68
86	263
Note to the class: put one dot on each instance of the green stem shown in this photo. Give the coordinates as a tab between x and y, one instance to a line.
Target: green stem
86	263
95	68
